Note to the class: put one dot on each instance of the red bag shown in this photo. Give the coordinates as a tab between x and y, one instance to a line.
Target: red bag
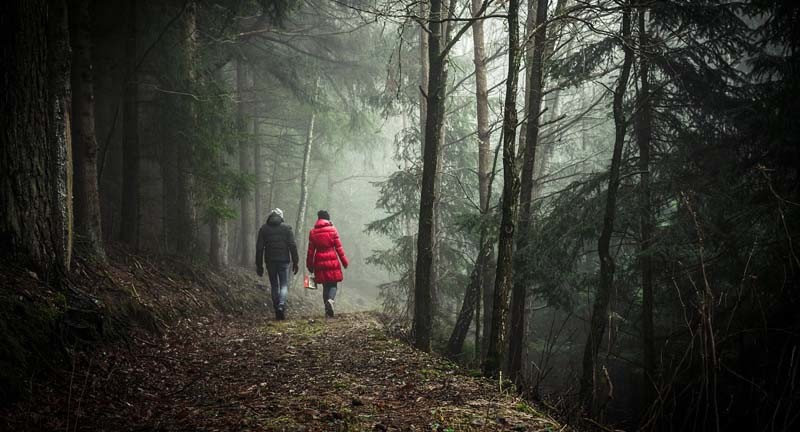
309	282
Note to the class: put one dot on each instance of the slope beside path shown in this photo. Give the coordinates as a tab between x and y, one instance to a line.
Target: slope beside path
296	375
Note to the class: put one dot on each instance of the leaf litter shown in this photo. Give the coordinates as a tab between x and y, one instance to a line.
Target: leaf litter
344	374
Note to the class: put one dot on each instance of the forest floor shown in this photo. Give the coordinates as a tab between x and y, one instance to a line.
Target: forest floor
303	374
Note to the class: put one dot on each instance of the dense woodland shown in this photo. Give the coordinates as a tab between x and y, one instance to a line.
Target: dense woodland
596	202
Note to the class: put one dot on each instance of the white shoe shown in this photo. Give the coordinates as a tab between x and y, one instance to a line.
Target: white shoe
329	308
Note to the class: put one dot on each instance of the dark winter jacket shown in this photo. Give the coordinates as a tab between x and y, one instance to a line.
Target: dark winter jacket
275	242
324	253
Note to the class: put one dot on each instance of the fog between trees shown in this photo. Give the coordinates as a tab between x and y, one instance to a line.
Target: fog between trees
596	200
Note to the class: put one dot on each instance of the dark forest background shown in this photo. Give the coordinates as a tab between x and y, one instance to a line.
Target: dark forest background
594	200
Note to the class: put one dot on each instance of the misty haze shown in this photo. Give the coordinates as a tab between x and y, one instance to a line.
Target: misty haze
399	215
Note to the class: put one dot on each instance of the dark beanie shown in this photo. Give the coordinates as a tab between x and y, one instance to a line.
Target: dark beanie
323	214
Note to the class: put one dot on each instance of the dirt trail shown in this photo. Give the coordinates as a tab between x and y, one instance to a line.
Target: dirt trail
295	375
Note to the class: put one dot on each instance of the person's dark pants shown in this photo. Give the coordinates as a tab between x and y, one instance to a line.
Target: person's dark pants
278	273
329	293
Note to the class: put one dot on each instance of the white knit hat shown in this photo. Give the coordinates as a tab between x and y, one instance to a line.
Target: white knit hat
277	211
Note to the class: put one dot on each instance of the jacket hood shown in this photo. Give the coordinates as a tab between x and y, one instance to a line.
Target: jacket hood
274	219
322	223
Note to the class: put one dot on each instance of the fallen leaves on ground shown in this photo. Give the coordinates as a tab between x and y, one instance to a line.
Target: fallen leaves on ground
304	374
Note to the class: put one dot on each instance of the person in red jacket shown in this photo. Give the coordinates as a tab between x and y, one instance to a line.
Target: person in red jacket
325	251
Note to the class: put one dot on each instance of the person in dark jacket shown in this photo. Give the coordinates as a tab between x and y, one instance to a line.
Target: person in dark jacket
325	251
276	247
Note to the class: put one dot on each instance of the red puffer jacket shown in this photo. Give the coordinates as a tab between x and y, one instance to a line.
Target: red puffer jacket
324	252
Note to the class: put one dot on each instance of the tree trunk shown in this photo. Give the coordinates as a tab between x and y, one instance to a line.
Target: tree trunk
526	61
423	318
185	222
478	349
437	228
487	286
218	242
643	130
482	107
258	174
84	144
272	187
424	74
471	300
534	89
35	169
215	243
545	144
247	228
58	38
437	189
329	193
603	295
505	248
129	215
485	290
473	292
224	244
552	105
301	207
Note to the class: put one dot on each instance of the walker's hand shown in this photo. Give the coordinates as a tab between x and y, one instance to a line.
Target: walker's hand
295	268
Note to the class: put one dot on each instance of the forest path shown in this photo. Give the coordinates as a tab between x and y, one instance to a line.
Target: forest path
302	374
